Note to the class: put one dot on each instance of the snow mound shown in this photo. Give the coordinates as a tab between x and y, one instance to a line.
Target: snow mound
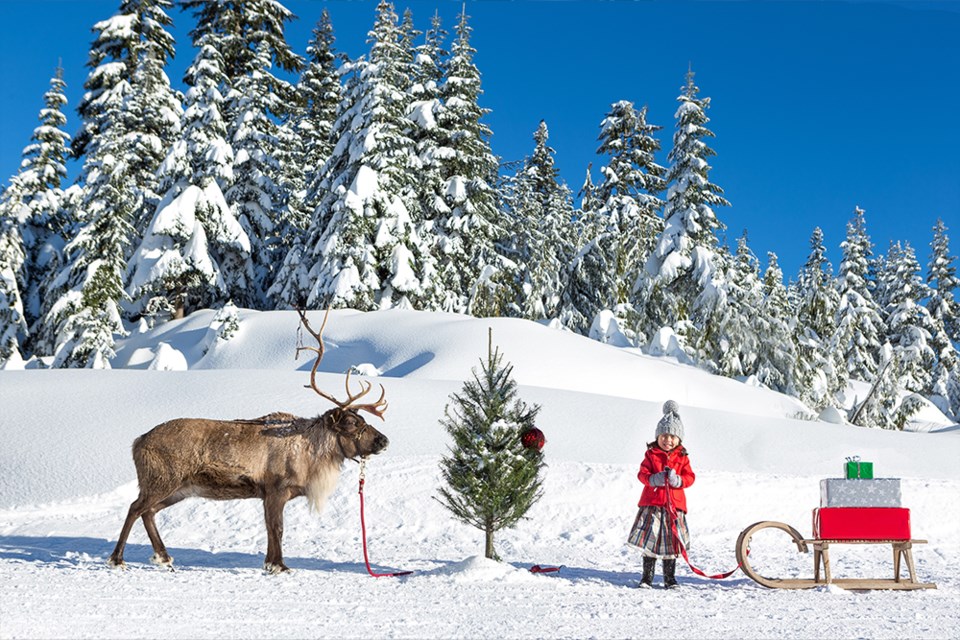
481	569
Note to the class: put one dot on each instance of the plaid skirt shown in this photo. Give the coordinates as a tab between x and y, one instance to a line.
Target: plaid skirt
652	533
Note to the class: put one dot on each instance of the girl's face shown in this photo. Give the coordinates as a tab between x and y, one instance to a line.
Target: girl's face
668	441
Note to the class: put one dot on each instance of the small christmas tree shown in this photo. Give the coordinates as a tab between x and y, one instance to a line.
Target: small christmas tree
492	479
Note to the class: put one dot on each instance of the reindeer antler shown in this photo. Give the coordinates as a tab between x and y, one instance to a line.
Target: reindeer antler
376	408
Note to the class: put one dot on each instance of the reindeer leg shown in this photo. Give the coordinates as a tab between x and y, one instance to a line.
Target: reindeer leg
116	558
273	503
160	555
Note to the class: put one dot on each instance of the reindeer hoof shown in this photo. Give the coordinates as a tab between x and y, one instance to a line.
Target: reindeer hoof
162	561
275	569
116	564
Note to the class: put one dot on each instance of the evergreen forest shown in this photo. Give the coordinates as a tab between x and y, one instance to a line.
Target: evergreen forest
370	184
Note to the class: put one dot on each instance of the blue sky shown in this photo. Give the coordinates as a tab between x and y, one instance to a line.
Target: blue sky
817	106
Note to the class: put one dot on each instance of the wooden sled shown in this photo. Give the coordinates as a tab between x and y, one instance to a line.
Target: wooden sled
902	549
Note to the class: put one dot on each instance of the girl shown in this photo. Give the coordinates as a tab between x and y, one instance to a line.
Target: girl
665	472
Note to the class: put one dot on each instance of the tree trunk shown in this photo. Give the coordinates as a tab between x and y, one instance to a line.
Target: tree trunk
489	552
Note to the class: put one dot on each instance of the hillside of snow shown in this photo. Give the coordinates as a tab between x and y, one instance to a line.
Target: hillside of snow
66	480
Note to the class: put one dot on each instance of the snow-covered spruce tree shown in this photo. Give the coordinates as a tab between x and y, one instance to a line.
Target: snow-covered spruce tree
540	212
944	311
474	276
883	407
740	316
257	196
821	372
249	35
13	325
943	282
859	330
586	274
909	325
129	116
237	29
129	98
193	253
35	202
628	201
363	250
320	91
776	358
84	317
491	480
685	270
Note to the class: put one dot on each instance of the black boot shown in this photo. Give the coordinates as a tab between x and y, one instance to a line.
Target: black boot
669	569
649	566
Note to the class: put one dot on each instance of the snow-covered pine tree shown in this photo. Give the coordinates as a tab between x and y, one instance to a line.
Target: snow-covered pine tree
34	202
364	250
249	35
237	29
628	201
474	276
194	253
153	111
821	373
586	275
685	271
859	331
944	311
129	97
491	480
943	282
257	196
427	71
909	325
740	316
776	358
883	407
540	216
13	325
320	94
320	90
84	317
129	115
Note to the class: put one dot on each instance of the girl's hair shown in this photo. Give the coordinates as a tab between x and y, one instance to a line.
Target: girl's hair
683	449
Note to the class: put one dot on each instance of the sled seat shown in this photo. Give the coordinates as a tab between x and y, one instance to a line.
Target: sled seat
902	550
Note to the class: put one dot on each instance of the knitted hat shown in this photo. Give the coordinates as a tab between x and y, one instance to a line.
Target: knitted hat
670	422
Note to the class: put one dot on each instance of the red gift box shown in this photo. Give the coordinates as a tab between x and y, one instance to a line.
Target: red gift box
861	523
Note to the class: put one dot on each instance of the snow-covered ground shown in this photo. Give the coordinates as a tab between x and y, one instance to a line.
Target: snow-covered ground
66	480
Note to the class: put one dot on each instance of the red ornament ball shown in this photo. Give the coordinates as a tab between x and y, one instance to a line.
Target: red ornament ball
533	438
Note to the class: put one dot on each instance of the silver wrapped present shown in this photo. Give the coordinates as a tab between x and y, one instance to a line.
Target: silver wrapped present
858	492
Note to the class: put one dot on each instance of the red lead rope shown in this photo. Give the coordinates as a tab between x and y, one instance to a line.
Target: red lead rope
672	512
363	531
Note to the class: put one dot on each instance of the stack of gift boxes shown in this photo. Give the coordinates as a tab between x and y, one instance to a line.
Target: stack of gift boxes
860	507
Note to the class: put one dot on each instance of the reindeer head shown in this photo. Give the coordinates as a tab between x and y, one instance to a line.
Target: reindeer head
355	436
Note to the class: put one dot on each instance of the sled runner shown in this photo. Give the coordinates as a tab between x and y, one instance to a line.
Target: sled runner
902	550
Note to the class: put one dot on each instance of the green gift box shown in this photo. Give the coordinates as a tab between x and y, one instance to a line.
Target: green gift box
857	469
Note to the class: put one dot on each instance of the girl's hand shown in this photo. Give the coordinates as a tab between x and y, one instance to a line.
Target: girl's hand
673	479
657	479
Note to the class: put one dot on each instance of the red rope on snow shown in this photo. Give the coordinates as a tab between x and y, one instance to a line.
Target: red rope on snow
363	531
672	512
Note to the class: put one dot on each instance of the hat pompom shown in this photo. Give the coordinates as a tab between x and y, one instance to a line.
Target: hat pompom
671	407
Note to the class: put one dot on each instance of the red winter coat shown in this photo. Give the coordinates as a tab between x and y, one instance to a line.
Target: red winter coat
655	461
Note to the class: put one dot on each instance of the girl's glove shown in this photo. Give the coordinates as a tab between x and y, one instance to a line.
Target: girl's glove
673	479
657	479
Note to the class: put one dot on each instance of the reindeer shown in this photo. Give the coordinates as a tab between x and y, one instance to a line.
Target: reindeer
276	458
